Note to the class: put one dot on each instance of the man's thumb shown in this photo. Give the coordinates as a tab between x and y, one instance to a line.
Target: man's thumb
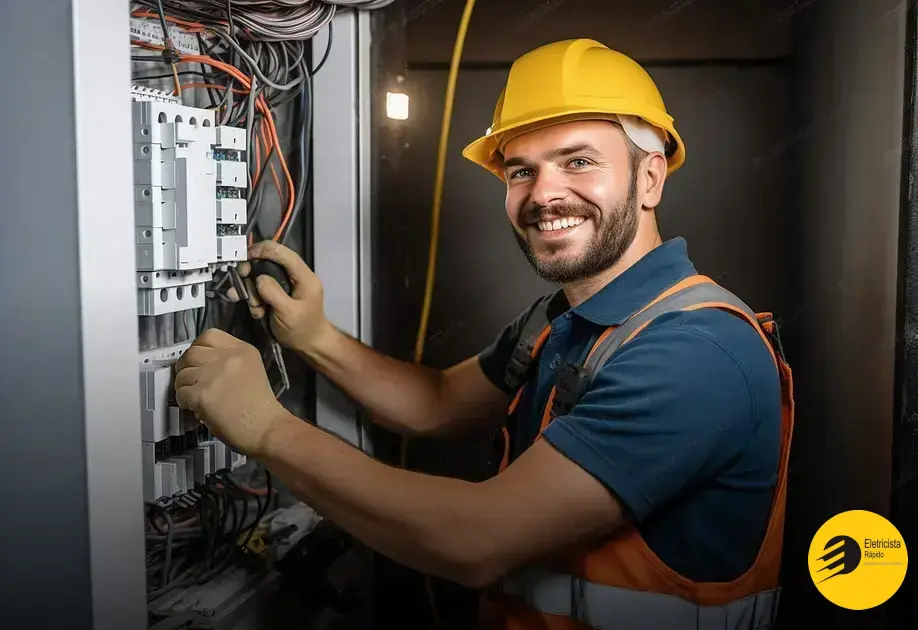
270	291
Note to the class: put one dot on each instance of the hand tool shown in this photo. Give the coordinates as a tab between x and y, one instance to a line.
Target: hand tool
246	290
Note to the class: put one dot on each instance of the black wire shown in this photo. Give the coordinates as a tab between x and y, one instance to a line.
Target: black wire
229	18
169	533
304	154
328	47
261	511
214	516
236	523
162	18
149	77
155	525
225	535
210	91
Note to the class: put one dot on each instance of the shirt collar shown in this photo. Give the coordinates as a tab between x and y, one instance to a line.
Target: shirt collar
612	305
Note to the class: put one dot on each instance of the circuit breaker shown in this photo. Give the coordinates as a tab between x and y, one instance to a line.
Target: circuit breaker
190	183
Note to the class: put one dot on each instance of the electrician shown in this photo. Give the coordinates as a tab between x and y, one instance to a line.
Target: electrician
643	485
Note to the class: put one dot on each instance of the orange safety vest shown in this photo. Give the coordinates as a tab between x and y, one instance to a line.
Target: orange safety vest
620	584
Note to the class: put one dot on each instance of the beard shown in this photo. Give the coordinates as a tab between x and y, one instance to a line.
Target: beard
613	233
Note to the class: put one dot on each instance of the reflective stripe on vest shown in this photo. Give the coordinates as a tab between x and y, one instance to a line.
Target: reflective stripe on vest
613	608
621	584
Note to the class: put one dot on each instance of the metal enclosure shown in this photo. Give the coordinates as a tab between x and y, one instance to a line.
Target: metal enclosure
73	554
342	228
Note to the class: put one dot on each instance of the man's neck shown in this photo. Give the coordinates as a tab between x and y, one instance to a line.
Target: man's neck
580	291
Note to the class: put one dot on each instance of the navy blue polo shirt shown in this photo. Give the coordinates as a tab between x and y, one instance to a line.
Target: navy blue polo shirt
683	424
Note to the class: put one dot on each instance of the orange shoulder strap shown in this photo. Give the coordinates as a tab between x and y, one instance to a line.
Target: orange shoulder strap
533	336
692	293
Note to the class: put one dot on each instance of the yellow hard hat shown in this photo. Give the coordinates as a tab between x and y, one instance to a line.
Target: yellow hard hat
576	79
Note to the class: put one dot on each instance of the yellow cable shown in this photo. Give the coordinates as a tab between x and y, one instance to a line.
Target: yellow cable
441	172
435	234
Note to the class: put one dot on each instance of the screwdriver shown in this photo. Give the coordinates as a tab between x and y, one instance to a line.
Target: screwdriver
246	290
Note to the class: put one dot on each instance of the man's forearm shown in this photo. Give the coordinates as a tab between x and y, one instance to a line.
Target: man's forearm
431	524
401	396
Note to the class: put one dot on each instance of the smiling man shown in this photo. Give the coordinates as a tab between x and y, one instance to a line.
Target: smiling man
650	410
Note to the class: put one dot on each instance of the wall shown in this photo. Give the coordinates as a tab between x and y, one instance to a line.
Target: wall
650	30
850	88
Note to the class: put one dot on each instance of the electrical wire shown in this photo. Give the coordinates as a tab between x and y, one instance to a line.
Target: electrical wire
169	536
262	20
440	176
169	53
212	545
328	47
306	121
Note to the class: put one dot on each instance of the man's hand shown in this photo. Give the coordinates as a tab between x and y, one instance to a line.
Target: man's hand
297	320
222	380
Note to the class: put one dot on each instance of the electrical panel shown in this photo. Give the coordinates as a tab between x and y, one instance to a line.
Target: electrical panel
190	183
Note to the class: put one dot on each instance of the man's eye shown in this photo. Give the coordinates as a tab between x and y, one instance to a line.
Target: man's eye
523	172
579	163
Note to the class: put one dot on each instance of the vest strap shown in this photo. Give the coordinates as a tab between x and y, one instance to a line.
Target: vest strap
613	608
521	360
679	301
579	378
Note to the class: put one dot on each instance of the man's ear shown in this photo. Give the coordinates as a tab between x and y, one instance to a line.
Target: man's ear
651	179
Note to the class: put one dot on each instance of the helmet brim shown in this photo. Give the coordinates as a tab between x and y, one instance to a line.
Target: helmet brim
484	150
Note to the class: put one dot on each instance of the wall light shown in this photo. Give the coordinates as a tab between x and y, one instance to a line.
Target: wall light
397	106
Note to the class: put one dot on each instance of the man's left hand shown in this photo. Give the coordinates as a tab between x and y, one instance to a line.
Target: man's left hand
223	381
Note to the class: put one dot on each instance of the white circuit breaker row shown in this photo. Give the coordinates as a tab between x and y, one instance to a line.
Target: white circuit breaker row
190	179
190	182
176	475
161	419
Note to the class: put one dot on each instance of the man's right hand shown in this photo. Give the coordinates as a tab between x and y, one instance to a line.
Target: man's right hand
297	320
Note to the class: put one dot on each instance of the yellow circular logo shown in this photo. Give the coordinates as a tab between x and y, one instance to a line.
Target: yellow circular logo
858	560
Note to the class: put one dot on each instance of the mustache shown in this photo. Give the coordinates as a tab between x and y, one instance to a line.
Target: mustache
533	214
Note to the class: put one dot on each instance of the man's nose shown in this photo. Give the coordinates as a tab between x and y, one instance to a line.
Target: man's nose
548	187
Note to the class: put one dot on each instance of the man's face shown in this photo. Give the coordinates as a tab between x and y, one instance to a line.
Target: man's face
571	198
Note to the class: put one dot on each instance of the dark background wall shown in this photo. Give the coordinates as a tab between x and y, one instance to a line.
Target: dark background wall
791	112
849	95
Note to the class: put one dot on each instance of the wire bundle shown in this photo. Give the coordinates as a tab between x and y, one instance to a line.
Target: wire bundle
195	538
247	81
268	20
252	79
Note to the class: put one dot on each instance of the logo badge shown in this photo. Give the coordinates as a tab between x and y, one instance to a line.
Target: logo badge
858	560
